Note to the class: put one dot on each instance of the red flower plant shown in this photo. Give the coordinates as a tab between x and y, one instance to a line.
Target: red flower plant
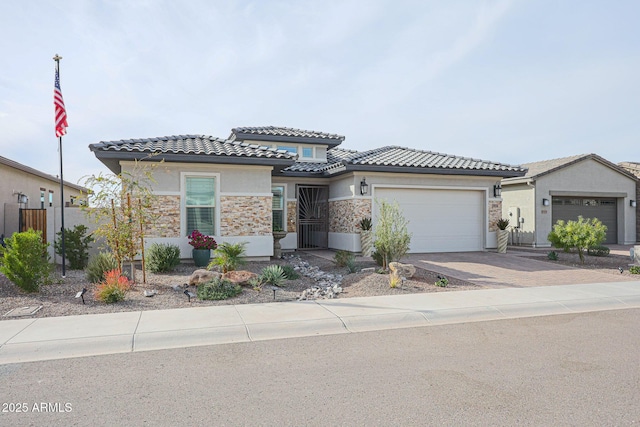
201	241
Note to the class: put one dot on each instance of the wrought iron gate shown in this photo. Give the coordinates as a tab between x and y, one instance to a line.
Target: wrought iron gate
313	216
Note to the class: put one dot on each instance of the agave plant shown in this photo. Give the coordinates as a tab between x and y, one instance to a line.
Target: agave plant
273	275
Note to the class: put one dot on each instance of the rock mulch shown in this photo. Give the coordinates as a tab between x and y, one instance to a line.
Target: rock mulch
167	290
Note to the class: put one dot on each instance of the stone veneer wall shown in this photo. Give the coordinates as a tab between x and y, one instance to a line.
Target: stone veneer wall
245	216
165	214
495	213
345	215
291	216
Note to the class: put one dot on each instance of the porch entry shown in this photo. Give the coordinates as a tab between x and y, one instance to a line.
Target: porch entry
313	216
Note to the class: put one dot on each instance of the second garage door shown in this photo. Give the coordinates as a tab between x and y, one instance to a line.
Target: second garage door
440	220
569	208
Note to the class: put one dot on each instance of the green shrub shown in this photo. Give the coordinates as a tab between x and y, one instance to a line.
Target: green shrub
99	265
114	288
634	269
162	257
228	256
273	275
218	289
76	246
553	255
442	282
290	273
25	260
502	223
392	237
377	257
365	224
342	258
578	235
352	265
598	251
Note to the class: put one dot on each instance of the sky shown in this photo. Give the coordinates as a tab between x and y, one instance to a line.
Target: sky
506	81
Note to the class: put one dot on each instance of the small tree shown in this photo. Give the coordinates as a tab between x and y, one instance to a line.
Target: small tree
76	246
579	235
391	235
120	207
25	260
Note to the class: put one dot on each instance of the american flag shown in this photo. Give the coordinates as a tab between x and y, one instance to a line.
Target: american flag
61	112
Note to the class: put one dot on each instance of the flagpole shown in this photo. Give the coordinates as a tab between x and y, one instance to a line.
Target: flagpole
57	59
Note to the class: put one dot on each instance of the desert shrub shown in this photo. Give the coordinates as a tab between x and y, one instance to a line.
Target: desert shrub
394	280
76	246
218	289
25	260
365	224
634	269
392	237
502	223
228	256
341	258
162	257
598	251
99	265
442	282
114	288
352	265
377	257
290	273
553	255
273	275
578	235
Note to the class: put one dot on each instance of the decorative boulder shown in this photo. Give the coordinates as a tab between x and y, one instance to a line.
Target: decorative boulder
241	277
402	270
202	276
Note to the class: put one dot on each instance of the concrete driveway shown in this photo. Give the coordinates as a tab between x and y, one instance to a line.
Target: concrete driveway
513	269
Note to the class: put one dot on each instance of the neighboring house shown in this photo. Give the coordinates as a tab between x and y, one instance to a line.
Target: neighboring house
565	188
634	168
263	178
24	188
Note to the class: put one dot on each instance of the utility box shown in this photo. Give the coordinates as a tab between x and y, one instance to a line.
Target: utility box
514	217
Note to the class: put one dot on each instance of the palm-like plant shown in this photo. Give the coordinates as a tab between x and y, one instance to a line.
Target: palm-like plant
228	256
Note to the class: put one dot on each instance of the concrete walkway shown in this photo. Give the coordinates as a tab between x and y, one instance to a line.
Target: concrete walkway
27	340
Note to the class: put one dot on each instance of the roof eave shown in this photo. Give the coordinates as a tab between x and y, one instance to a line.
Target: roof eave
436	171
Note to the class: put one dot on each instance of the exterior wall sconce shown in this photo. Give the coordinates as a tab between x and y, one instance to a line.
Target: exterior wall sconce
632	203
22	198
364	187
545	202
497	190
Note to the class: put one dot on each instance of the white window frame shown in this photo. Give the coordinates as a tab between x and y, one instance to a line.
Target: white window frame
183	200
313	153
284	204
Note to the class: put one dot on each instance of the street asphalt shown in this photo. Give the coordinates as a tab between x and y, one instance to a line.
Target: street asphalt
26	340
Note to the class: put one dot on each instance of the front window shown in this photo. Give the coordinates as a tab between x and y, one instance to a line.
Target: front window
42	190
307	152
50	198
277	207
201	204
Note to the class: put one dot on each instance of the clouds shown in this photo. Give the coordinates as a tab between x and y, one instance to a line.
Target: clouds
500	80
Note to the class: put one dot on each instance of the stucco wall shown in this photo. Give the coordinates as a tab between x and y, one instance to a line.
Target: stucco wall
15	180
518	202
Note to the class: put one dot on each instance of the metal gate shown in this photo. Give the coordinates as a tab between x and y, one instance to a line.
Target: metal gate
313	216
35	219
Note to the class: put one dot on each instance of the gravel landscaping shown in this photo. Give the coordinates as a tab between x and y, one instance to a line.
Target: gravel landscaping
58	299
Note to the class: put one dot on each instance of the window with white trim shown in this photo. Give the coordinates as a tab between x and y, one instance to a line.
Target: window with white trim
200	204
277	207
290	149
307	152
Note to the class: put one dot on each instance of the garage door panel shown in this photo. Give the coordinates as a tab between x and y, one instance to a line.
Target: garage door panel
440	220
569	208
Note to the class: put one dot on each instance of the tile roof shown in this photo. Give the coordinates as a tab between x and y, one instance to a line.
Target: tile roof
191	144
384	158
538	169
633	167
278	133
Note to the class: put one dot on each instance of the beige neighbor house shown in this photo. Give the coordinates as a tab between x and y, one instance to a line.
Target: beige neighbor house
565	188
262	178
31	199
634	168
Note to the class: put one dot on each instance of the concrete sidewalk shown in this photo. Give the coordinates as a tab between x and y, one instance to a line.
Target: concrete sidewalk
26	340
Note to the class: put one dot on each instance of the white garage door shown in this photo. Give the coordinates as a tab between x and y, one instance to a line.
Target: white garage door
440	220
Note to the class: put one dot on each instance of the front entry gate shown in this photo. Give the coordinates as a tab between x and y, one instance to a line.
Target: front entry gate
313	216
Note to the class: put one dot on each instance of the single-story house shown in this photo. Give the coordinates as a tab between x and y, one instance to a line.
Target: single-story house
585	185
25	190
260	179
634	168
